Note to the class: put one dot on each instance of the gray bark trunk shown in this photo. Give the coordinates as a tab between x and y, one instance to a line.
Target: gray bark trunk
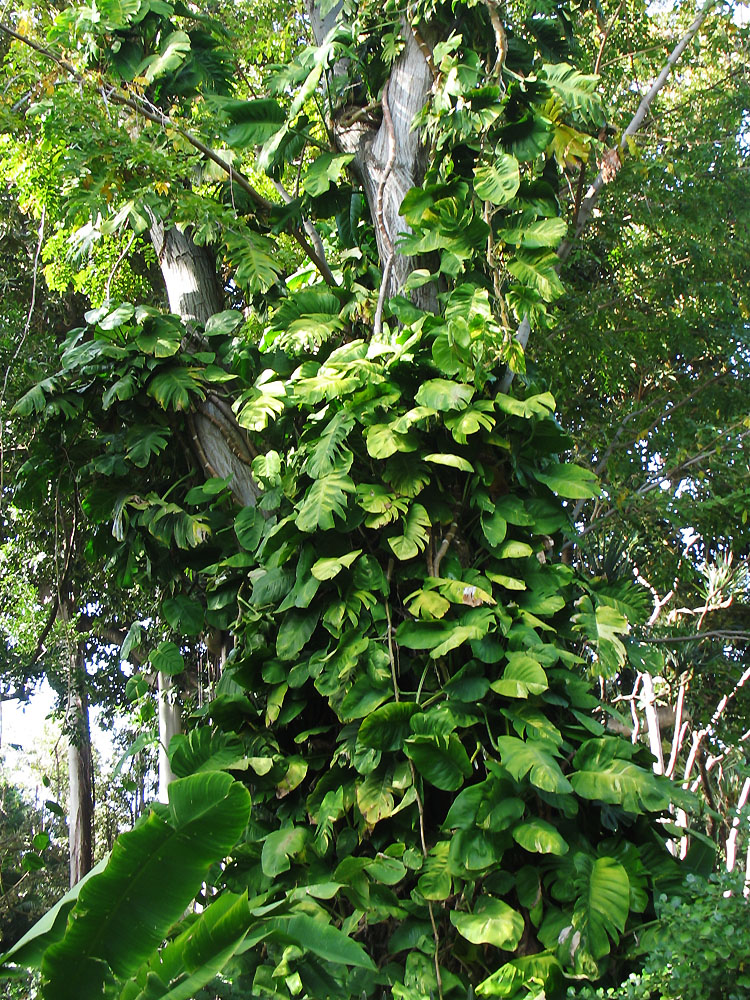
80	777
391	159
170	723
195	294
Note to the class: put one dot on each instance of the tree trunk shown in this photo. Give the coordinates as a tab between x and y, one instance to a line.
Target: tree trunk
195	293
170	723
80	774
390	159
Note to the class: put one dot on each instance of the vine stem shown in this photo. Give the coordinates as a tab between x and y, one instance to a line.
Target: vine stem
415	785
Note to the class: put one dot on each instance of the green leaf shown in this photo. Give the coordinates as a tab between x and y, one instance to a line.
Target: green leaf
492	922
576	90
436	881
117	317
161	336
522	676
570	481
167	659
537	835
538	270
183	614
326	497
441	760
279	847
452	461
328	452
195	957
329	943
543	233
327	569
295	630
497	182
494	528
203	749
174	49
416	526
254	121
153	873
383	441
604	627
529	758
144	442
223	323
619	782
325	170
386	728
602	906
174	388
444	394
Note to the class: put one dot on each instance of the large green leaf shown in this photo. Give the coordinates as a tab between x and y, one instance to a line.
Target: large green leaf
326	497
386	728
254	122
522	676
537	835
203	750
123	914
570	481
620	782
322	939
492	922
575	89
416	526
602	905
533	759
440	759
280	846
196	956
497	182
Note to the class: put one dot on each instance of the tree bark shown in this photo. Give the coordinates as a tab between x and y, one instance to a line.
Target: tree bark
170	723
195	293
80	774
390	159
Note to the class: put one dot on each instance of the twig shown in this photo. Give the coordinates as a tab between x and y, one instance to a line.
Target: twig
444	546
117	263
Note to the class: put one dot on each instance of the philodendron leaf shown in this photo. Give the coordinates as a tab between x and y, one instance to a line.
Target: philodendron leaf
167	659
602	906
529	758
570	481
497	182
522	676
444	394
154	872
537	835
280	846
492	922
203	749
327	569
441	760
387	727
